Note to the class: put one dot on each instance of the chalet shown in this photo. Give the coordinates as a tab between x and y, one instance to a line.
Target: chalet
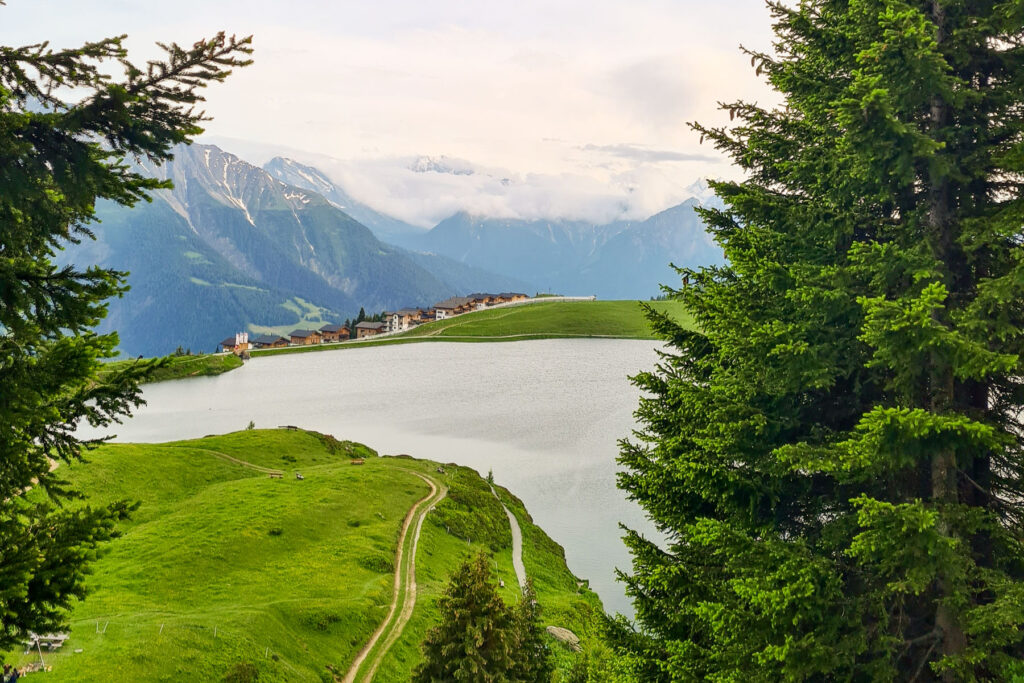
238	344
270	341
334	333
305	337
368	329
453	306
404	319
508	297
482	300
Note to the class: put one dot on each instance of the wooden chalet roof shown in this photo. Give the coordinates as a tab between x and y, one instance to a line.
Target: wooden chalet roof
454	302
302	334
230	341
268	339
332	328
367	325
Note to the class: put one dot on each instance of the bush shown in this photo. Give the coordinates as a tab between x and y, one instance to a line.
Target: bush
242	672
377	563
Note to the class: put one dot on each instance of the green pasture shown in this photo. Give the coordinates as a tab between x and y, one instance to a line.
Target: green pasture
544	320
224	570
180	367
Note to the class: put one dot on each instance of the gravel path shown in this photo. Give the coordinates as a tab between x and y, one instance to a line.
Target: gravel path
517	543
405	582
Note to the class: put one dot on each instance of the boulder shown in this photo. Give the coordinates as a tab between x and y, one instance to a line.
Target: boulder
566	636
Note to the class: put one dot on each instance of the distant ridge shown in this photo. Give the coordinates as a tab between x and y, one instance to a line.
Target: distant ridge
616	260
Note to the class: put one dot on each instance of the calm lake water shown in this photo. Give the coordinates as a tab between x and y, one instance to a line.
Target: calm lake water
545	416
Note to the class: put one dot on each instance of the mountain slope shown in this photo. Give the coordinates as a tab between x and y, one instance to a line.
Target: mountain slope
300	175
231	248
620	260
457	276
636	259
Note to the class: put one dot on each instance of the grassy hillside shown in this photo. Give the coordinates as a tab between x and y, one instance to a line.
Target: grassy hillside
544	320
224	570
622	319
180	367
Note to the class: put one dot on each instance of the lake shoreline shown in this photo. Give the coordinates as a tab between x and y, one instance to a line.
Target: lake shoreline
545	416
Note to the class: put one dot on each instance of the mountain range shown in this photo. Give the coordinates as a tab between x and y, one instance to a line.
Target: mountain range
616	260
237	247
232	248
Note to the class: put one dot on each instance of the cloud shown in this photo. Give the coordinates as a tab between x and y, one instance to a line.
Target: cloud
393	186
542	93
646	155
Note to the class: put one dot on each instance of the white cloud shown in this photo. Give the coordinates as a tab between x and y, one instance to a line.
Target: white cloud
582	99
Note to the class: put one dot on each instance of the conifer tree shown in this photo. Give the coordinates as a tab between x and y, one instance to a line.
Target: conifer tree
57	159
532	663
475	640
835	450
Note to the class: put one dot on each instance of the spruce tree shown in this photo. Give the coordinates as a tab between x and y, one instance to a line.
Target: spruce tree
834	452
532	661
57	159
475	640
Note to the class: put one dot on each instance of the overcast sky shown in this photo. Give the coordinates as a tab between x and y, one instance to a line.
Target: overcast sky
582	93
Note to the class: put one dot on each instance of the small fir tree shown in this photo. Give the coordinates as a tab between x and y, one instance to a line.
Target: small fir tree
533	663
475	640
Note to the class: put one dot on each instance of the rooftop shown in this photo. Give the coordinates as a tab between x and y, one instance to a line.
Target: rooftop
268	339
454	302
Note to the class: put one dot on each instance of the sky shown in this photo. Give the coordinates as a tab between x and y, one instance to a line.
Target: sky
560	108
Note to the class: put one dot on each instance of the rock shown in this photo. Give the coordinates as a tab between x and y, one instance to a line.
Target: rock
566	636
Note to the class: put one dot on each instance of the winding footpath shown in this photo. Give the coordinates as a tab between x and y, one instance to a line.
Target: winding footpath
404	586
517	543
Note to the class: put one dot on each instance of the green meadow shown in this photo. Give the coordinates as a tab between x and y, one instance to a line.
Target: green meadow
224	571
619	319
180	367
544	320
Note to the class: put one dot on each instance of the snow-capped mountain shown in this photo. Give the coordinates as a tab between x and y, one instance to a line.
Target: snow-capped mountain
442	164
233	248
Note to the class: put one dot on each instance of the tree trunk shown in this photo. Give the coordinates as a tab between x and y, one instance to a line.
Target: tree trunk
943	464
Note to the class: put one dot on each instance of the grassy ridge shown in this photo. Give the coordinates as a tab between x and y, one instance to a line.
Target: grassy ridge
620	319
180	367
545	320
222	567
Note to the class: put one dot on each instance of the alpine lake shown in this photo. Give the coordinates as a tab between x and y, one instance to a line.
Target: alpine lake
544	416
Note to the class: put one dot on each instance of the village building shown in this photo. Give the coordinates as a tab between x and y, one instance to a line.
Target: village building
482	300
334	333
305	337
368	329
270	341
509	297
453	306
404	319
238	344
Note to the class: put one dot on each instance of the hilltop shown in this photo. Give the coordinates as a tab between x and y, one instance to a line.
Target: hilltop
225	569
